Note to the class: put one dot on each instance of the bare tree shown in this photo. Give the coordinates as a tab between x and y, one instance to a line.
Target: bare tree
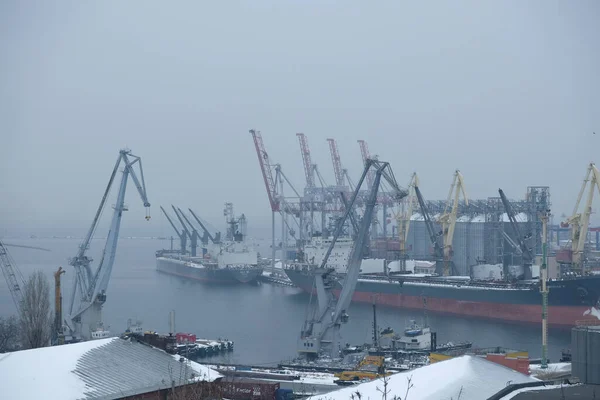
36	316
9	334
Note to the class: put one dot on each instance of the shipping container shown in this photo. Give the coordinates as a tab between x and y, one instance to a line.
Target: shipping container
248	391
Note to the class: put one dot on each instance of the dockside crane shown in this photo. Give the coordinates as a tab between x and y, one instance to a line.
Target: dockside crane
193	235
580	222
337	162
403	218
314	196
524	249
448	219
12	275
86	317
438	252
279	203
182	235
320	333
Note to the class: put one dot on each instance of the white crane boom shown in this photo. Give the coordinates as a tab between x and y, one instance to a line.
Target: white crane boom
86	318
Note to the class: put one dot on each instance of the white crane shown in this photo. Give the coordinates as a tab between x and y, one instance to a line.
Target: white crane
448	218
580	221
86	318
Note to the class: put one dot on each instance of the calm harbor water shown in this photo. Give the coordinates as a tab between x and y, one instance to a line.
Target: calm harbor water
263	320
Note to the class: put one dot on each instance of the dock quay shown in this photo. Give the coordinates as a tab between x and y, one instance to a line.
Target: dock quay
185	344
300	383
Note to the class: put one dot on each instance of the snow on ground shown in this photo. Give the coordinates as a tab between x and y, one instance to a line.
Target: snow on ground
471	377
29	370
203	371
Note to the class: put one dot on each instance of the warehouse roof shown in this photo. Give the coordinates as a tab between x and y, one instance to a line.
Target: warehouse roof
100	369
466	377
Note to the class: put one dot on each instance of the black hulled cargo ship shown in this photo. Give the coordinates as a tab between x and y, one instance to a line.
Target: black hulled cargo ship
570	299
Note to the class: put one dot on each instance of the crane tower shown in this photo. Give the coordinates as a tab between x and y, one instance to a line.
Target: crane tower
91	286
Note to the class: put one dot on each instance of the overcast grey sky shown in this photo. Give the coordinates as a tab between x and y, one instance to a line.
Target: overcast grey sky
506	91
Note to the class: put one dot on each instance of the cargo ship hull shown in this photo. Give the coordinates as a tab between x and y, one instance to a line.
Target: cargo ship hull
199	272
569	300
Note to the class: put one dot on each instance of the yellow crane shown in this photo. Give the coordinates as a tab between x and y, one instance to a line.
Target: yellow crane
579	222
448	218
403	218
58	332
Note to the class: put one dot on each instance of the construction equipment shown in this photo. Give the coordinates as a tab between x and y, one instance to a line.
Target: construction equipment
448	219
524	249
86	318
580	222
321	330
58	335
438	252
370	367
13	276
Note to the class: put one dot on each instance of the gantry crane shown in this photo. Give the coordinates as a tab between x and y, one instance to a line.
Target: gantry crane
278	201
322	329
580	222
86	317
448	219
523	248
403	218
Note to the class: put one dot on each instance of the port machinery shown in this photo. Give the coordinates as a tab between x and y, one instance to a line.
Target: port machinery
321	330
85	315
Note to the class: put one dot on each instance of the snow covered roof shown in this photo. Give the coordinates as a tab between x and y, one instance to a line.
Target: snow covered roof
466	377
99	369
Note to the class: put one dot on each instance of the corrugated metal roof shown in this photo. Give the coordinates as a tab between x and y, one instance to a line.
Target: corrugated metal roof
123	368
99	369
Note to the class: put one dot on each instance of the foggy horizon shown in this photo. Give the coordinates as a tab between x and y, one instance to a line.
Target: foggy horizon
505	92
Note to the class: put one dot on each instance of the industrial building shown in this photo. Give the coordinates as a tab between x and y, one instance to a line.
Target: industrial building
585	350
112	368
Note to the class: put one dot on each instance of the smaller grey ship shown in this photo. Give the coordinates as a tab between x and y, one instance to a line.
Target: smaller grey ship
229	261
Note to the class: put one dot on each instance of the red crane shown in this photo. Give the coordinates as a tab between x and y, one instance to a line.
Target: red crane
265	166
364	151
308	166
337	163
